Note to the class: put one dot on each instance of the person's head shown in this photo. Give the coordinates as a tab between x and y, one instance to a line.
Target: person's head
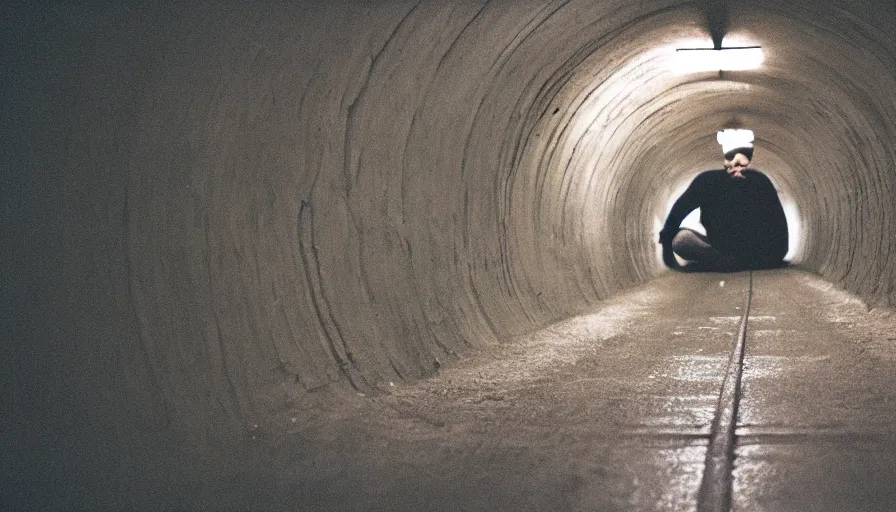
736	162
737	146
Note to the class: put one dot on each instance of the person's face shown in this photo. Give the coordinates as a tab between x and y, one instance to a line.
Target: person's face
736	165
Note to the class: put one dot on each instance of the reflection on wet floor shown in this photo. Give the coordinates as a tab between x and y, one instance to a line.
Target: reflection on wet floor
696	368
679	493
681	410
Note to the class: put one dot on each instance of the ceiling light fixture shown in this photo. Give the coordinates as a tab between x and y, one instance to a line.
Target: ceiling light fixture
735	58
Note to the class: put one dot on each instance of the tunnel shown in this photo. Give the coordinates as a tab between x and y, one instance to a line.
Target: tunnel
219	213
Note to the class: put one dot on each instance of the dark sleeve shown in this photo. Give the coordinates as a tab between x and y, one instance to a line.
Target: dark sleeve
689	201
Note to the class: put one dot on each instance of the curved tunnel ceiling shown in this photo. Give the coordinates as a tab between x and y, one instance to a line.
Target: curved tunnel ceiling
252	203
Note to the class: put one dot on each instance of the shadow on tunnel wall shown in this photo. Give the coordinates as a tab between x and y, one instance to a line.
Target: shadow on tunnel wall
216	213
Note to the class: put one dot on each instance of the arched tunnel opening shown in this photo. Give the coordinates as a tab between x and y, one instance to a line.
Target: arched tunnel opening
219	216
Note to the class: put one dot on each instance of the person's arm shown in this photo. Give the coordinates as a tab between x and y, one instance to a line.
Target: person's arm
689	201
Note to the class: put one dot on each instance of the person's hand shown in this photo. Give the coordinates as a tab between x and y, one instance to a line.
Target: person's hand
669	257
666	237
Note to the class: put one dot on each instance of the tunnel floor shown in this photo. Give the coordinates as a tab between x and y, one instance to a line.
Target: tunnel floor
615	410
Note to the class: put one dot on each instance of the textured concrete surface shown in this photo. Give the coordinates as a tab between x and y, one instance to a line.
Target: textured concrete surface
611	410
213	213
816	427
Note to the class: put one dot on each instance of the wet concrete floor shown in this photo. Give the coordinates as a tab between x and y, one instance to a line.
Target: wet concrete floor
614	410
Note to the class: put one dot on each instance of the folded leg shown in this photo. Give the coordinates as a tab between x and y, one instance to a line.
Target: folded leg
695	247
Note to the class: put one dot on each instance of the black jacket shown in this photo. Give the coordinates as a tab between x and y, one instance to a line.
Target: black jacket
743	217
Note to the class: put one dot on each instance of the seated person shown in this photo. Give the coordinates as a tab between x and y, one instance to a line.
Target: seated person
740	209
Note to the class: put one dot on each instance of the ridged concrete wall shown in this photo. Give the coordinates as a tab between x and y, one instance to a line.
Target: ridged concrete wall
211	212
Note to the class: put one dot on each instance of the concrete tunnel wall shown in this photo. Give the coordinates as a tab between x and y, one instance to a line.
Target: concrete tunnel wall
214	212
